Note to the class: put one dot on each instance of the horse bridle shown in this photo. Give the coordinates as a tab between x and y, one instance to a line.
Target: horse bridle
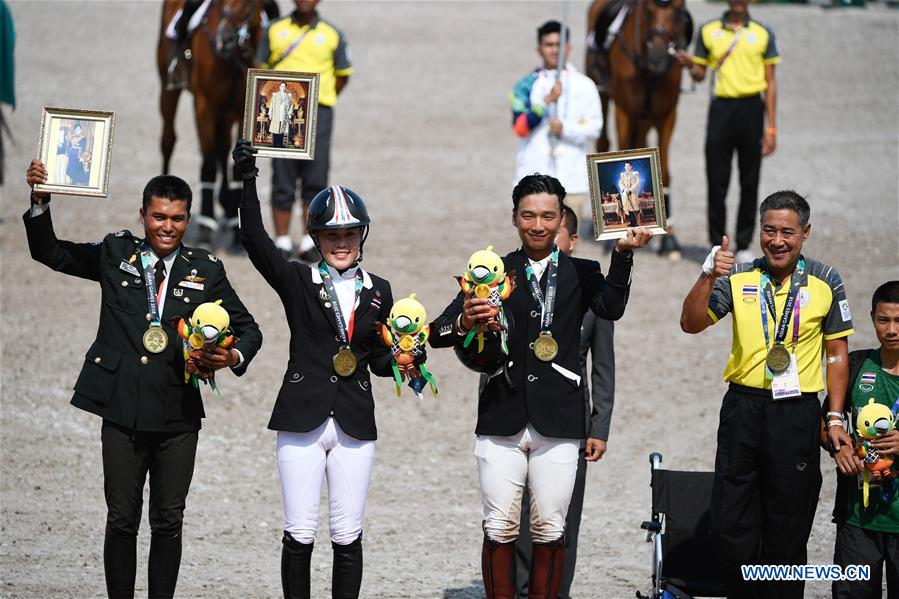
673	40
240	25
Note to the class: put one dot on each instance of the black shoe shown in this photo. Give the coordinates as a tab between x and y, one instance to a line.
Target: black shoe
163	567
120	564
670	247
295	563
346	577
311	256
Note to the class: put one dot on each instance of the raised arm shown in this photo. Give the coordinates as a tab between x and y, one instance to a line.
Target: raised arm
273	267
76	259
695	315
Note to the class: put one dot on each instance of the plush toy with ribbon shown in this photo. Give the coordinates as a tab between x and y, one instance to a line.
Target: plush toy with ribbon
406	333
486	275
874	420
206	328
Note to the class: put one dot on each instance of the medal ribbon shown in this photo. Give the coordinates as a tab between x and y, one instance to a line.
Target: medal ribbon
548	303
791	305
153	298
343	331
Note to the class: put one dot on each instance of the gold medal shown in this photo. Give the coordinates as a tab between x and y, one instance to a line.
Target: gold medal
407	343
545	347
155	340
344	362
196	341
778	360
482	291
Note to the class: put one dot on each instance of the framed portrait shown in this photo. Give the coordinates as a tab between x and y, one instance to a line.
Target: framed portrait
76	148
280	113
626	192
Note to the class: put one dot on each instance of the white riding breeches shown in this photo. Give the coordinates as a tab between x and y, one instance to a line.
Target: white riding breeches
505	464
303	461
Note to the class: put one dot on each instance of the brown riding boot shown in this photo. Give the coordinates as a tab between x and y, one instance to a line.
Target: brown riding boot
546	569
498	569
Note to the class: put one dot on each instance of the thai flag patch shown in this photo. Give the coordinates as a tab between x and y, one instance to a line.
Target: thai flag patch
750	290
376	303
868	377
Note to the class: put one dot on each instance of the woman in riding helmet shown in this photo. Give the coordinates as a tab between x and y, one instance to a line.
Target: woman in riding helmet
324	413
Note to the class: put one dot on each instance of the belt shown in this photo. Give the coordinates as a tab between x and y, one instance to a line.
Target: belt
738	98
763	393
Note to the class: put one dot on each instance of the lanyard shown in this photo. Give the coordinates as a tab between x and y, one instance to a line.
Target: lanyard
154	299
343	331
791	305
548	303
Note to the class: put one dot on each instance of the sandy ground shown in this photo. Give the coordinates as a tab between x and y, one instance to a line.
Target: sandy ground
422	132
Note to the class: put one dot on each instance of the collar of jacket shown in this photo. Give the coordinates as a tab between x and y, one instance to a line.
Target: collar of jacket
317	276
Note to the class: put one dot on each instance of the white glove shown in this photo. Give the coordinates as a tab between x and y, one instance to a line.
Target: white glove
709	265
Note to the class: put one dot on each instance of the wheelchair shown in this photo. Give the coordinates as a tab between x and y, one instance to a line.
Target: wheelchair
685	563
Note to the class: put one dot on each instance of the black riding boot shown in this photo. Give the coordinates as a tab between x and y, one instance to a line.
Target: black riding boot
295	563
346	578
120	564
164	565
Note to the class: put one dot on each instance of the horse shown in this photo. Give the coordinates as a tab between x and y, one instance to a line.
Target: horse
222	49
644	77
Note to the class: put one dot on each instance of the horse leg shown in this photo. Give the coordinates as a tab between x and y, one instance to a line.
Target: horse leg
623	126
168	107
231	187
206	131
665	128
602	144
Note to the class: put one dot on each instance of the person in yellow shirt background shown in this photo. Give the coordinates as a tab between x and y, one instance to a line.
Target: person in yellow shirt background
304	42
742	52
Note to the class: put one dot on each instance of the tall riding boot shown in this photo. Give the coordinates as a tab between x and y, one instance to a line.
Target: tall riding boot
546	569
295	560
119	563
165	562
498	569
346	577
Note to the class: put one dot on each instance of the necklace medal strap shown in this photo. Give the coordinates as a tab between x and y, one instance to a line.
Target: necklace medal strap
545	347
344	360
155	339
778	357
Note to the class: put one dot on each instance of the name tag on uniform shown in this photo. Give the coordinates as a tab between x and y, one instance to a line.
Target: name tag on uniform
786	384
129	268
191	285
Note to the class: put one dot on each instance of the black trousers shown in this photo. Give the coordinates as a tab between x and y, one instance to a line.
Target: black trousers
767	480
734	124
313	174
572	525
128	456
877	549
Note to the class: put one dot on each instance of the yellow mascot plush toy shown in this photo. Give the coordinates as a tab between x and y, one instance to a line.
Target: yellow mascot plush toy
206	328
406	333
486	275
873	420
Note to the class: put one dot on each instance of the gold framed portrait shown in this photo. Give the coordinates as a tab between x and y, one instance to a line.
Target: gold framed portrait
626	192
280	113
75	146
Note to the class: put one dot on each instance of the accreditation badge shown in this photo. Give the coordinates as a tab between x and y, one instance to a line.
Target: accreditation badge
786	384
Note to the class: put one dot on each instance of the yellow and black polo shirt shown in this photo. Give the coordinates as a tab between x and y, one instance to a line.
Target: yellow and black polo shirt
742	72
322	49
823	314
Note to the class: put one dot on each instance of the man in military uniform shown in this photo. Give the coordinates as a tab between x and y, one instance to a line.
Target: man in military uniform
133	374
629	186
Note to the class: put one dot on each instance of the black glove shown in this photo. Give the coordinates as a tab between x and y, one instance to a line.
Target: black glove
244	160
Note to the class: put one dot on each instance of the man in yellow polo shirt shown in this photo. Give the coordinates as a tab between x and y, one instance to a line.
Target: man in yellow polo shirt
743	53
788	312
302	41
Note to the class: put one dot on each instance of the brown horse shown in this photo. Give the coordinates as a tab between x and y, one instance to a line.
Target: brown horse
223	47
644	76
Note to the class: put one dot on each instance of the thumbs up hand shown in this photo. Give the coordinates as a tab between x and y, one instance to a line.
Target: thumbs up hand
720	260
724	260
